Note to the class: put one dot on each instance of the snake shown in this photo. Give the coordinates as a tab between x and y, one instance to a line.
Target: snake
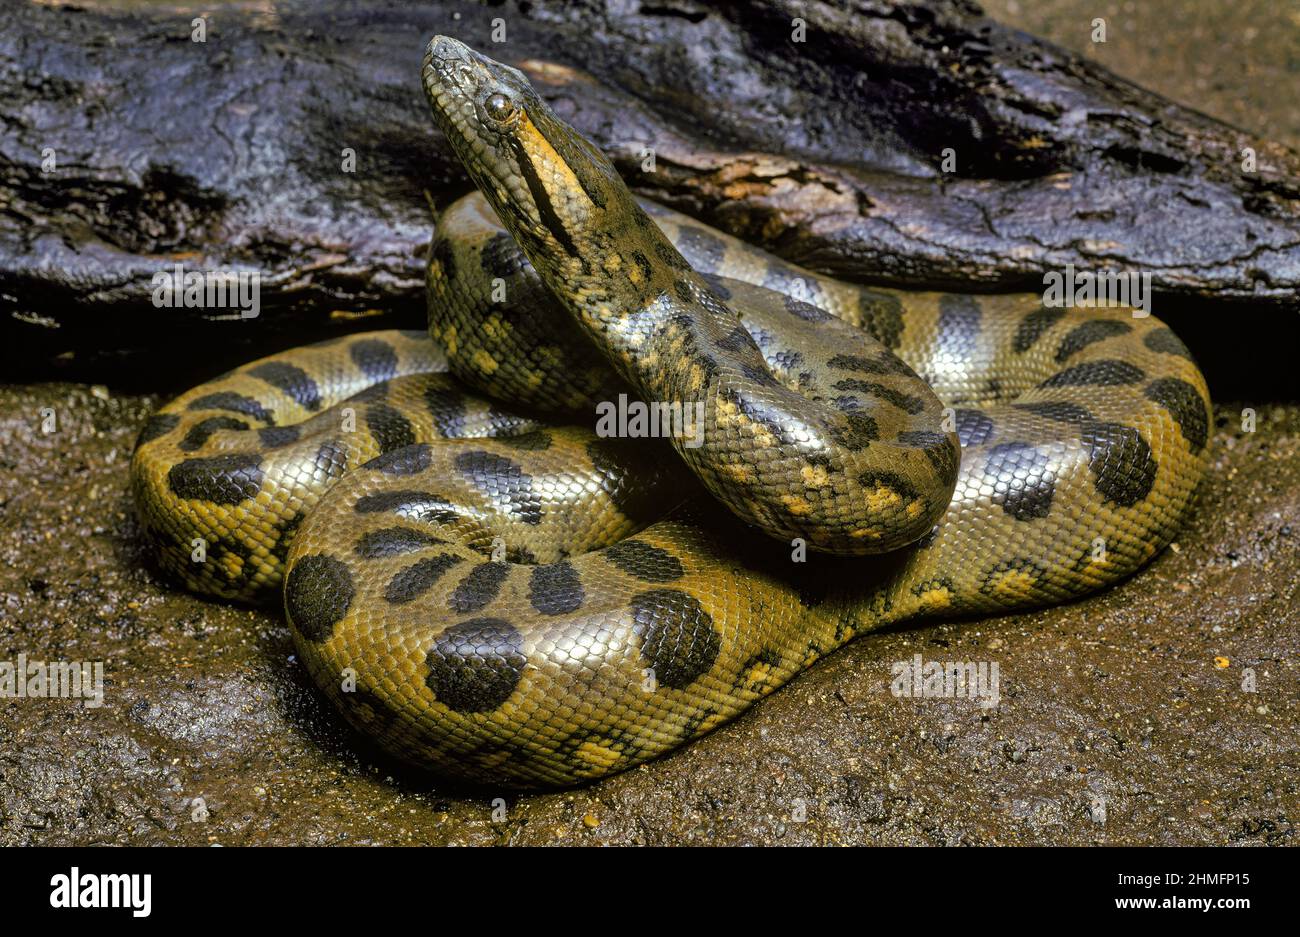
491	585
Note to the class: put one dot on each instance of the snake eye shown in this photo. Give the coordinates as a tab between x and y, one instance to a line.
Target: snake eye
498	106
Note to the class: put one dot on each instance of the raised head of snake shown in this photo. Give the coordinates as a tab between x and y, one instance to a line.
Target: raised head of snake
859	464
549	185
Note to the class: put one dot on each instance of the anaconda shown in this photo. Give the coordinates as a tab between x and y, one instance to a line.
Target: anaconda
489	588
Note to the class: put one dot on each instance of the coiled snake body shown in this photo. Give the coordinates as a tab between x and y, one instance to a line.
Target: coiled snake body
491	589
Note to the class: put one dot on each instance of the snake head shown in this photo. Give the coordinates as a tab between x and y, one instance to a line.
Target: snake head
548	184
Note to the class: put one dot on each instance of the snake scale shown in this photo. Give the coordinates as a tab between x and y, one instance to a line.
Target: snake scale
490	588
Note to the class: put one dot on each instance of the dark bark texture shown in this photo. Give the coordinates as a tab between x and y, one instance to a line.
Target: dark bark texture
829	151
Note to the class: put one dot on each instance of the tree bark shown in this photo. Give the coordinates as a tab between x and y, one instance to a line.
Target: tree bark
829	150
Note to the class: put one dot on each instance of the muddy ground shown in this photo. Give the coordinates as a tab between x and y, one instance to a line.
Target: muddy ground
1124	718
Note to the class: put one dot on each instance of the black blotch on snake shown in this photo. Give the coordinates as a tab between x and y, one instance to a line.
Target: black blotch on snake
1185	405
1023	484
393	541
390	429
783	279
285	540
408	460
643	265
959	326
939	448
882	365
479	588
882	316
290	379
860	429
666	253
445	256
1108	372
1121	462
503	481
1061	411
160	424
201	431
870	481
905	402
678	640
1033	326
317	594
414	505
974	427
555	589
475	665
447	407
235	403
737	340
501	257
719	288
332	458
644	561
1163	340
413	581
376	359
273	437
222	479
938	583
701	249
1089	333
804	310
1022	565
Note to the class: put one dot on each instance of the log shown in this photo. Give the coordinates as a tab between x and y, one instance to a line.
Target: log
229	153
